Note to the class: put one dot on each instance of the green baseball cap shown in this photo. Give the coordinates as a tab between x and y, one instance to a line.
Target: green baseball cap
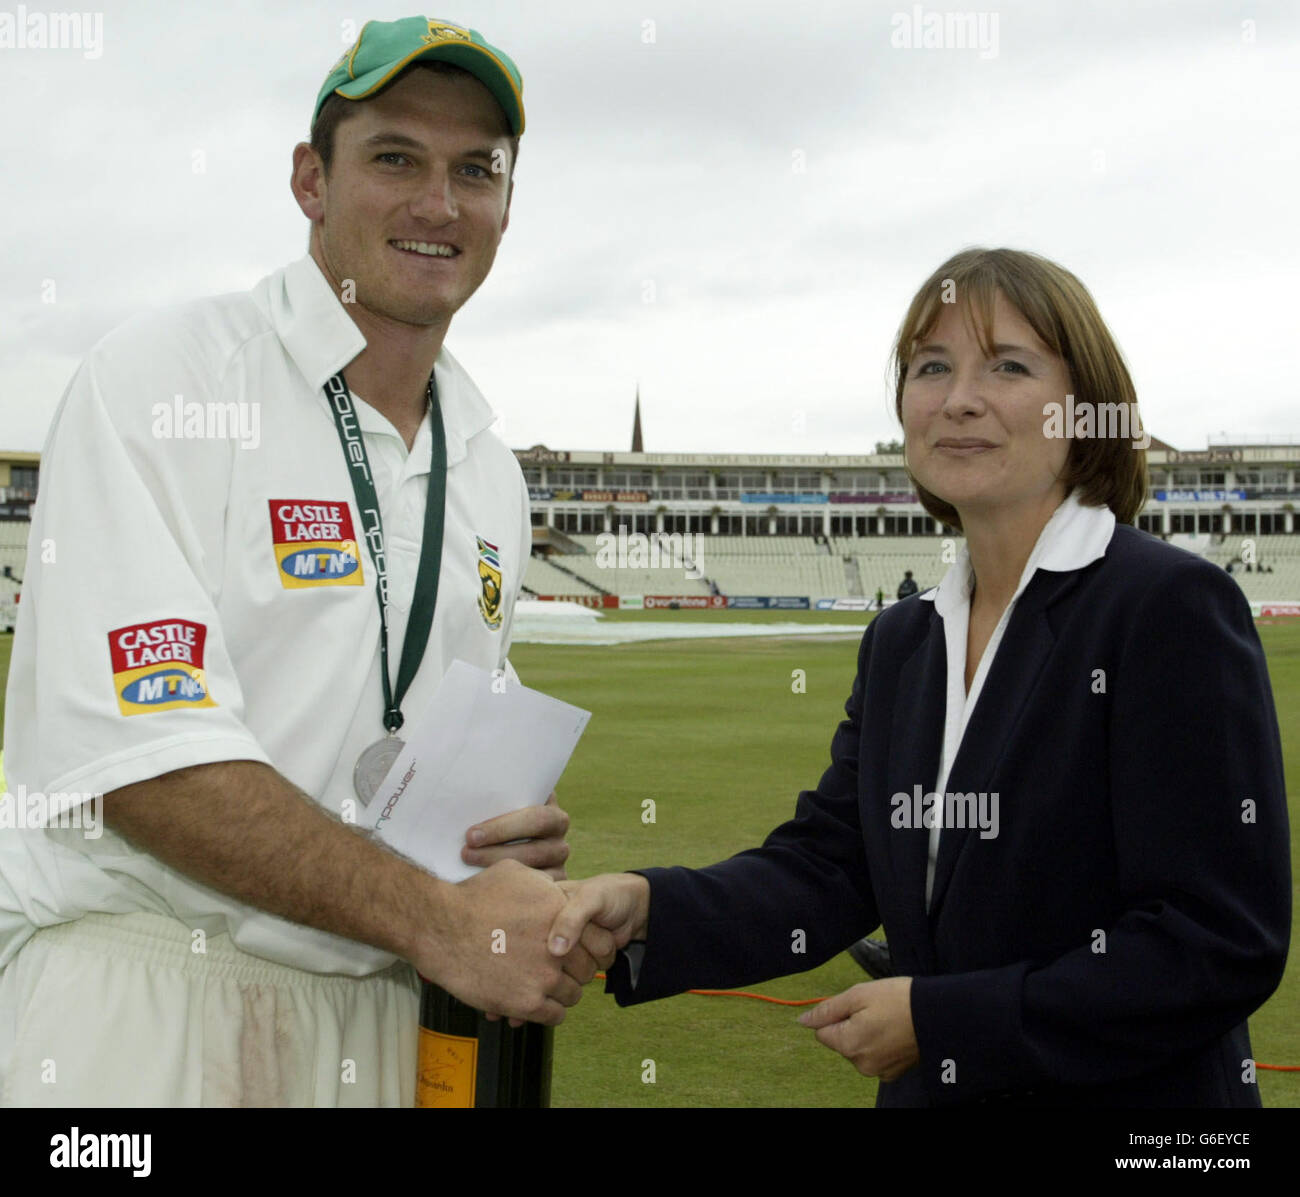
385	48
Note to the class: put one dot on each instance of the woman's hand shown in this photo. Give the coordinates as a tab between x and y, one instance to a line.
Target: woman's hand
603	914
870	1025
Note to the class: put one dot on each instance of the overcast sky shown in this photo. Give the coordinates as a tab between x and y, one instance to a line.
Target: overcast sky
779	178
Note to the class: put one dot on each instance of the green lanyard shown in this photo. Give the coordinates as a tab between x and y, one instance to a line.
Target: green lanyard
425	598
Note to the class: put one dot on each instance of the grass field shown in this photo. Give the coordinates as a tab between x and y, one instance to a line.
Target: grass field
711	730
713	733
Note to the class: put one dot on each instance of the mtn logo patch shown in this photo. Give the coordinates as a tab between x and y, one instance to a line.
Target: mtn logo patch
314	544
158	666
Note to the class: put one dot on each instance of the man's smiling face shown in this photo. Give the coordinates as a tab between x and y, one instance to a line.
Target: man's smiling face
412	207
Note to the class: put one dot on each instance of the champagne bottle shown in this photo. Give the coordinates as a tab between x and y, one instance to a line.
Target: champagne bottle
467	1060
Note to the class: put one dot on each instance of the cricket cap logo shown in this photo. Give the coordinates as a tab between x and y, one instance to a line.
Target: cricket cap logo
442	32
489	573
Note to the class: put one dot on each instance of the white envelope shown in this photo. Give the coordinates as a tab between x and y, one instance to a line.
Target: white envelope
482	747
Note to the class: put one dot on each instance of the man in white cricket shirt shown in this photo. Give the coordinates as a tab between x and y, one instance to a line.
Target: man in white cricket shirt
201	643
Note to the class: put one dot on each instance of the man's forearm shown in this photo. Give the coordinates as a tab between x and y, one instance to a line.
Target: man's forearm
243	829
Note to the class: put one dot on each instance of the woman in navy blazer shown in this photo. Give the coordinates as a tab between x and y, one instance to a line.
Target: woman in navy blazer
1101	893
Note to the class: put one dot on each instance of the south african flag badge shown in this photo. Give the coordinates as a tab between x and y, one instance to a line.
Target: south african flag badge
489	574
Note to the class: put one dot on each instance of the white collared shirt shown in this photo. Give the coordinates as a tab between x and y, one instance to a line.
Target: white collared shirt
192	598
1073	537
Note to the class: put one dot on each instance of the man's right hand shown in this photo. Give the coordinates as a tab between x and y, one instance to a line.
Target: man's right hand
488	945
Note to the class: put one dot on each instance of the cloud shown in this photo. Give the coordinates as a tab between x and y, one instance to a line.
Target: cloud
733	206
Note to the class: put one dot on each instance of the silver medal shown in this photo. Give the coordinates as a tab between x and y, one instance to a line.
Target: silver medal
373	765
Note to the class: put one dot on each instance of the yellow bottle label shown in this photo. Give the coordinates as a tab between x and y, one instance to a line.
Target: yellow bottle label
445	1072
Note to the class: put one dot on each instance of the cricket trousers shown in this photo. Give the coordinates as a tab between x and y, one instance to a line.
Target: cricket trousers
120	1010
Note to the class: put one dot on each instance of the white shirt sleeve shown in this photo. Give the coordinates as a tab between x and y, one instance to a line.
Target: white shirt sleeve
120	670
521	568
635	953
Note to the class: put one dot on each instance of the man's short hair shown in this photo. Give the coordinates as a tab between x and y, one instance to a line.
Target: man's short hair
337	109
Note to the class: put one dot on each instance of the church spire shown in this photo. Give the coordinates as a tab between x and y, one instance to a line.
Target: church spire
636	423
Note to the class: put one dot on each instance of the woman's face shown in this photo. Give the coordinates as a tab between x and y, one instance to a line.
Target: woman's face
973	425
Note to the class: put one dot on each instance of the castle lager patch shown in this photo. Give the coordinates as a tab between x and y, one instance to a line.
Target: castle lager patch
314	544
158	666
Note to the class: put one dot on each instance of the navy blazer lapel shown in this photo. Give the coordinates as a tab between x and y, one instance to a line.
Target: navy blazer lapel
1025	647
916	735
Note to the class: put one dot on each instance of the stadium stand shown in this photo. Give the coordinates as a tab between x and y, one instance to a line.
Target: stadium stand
883	560
798	566
801	566
13	546
820	527
858	566
591	566
541	577
812	577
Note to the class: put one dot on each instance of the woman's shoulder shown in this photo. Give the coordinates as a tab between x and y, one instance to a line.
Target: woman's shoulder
904	624
1146	560
1145	586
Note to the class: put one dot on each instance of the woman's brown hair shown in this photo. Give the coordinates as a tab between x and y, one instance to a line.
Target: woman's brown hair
1105	471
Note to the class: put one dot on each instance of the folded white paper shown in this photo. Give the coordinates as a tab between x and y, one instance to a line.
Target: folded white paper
482	747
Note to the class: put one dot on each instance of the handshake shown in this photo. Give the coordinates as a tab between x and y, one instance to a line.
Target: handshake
517	944
519	941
